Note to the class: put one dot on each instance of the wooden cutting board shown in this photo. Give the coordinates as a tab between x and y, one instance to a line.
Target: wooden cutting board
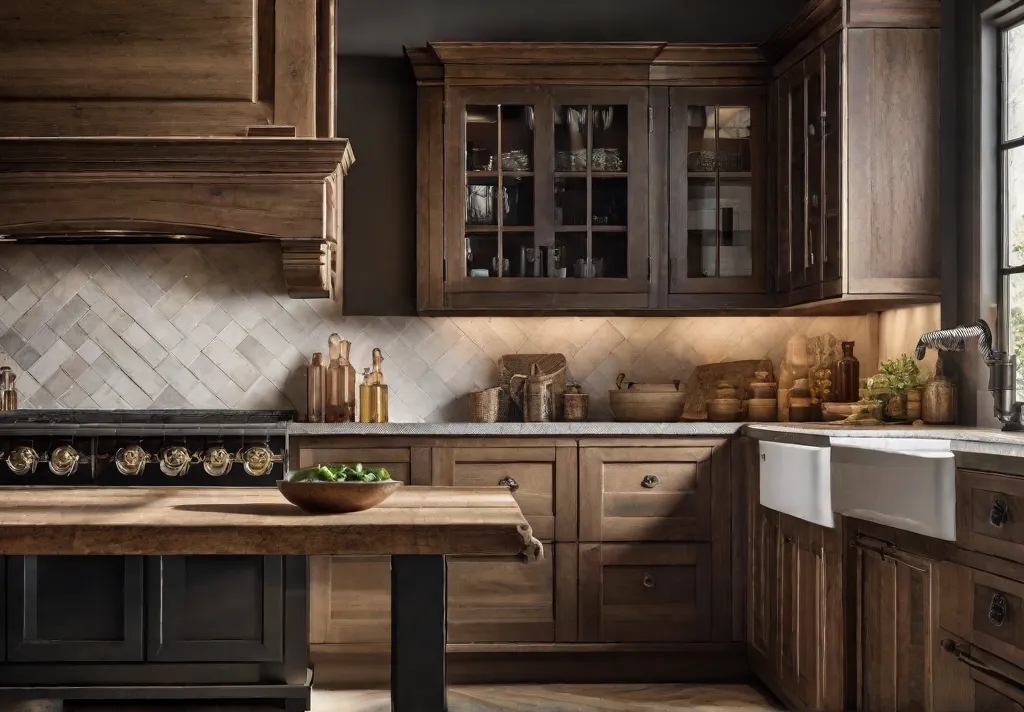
703	380
521	365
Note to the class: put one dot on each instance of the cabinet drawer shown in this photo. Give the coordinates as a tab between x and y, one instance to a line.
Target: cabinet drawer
645	494
645	592
500	599
542	481
967	678
990	513
984	609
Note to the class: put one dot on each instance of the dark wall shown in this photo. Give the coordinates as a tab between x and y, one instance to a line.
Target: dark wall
377	100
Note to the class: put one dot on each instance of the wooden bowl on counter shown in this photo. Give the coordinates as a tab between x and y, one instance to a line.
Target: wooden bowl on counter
637	406
337	497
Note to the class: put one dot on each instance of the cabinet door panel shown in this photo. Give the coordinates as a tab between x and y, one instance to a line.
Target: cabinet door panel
717	194
241	616
350	599
502	600
646	494
645	593
895	629
74	608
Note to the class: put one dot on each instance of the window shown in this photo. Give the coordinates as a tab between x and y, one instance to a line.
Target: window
1011	188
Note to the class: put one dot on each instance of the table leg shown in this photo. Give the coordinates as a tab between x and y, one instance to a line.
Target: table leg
418	681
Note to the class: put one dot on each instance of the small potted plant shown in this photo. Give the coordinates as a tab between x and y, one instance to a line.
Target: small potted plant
896	377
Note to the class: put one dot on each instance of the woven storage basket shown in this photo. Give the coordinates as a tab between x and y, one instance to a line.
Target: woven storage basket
488	406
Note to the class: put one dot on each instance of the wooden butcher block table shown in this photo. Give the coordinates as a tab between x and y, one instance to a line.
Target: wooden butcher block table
417	526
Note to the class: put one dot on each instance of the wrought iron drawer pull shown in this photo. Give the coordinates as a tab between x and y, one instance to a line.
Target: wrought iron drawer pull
962	653
649	581
1000	513
510	483
650	482
997	610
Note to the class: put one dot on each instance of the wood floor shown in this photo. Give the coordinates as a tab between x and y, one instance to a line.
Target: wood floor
566	698
522	698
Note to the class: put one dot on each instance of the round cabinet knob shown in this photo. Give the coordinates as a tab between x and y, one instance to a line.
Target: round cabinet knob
510	483
64	460
174	460
997	610
22	460
1000	513
130	460
257	459
649	581
650	482
217	461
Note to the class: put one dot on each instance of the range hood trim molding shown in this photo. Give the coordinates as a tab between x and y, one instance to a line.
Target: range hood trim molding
283	189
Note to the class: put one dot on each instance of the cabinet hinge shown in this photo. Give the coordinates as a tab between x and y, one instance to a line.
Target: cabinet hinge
444	270
650	119
649	270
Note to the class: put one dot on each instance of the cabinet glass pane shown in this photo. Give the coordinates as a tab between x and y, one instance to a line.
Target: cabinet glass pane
525	257
701	228
610	198
482	254
482	201
516	138
610	138
575	257
610	254
572	138
481	138
517	201
719	237
570	201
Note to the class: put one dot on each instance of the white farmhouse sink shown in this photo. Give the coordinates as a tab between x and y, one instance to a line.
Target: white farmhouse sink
904	483
795	480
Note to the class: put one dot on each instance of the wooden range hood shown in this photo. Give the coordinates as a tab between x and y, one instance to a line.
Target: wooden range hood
284	189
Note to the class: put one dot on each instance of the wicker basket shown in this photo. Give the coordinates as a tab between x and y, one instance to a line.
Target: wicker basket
488	406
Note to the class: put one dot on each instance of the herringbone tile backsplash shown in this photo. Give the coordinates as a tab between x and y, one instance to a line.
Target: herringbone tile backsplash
213	327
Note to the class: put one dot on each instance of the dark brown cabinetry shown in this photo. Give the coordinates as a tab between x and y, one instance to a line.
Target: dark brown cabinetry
855	120
717	187
795	624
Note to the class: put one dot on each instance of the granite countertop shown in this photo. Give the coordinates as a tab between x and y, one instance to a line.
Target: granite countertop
516	429
962	439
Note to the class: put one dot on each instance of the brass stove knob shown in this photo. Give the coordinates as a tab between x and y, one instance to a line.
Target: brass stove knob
174	460
257	460
217	461
22	460
130	460
64	460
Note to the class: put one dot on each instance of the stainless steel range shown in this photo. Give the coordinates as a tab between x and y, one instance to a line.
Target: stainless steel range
143	447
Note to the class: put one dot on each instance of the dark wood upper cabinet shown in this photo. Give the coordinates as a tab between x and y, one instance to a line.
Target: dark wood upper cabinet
717	187
152	68
856	150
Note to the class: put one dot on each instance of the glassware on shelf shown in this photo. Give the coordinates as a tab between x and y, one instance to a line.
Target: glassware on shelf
316	376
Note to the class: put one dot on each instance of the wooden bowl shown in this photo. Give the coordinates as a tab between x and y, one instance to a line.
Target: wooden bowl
632	406
337	497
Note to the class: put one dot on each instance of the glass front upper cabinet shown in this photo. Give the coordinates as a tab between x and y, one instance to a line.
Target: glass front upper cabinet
717	209
551	191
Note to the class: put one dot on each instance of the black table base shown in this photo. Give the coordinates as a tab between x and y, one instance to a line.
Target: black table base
418	682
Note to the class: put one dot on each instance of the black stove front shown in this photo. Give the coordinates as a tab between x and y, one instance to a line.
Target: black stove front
143	447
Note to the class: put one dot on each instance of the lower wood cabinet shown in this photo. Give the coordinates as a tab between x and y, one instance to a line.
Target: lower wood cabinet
59	609
500	599
894	610
969	679
350	600
645	592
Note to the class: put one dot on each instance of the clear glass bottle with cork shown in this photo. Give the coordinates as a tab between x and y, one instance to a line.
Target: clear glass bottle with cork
373	394
316	375
8	391
341	382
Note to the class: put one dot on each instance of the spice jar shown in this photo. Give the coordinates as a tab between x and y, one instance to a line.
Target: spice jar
938	399
800	402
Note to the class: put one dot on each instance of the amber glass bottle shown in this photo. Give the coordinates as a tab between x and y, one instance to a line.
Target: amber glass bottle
846	384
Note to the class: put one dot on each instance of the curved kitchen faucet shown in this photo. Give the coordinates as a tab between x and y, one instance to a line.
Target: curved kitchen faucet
1002	367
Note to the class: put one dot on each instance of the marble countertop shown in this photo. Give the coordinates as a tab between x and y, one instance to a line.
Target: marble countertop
516	429
962	439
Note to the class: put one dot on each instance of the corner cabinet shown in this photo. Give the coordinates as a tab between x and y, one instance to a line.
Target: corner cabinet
856	144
